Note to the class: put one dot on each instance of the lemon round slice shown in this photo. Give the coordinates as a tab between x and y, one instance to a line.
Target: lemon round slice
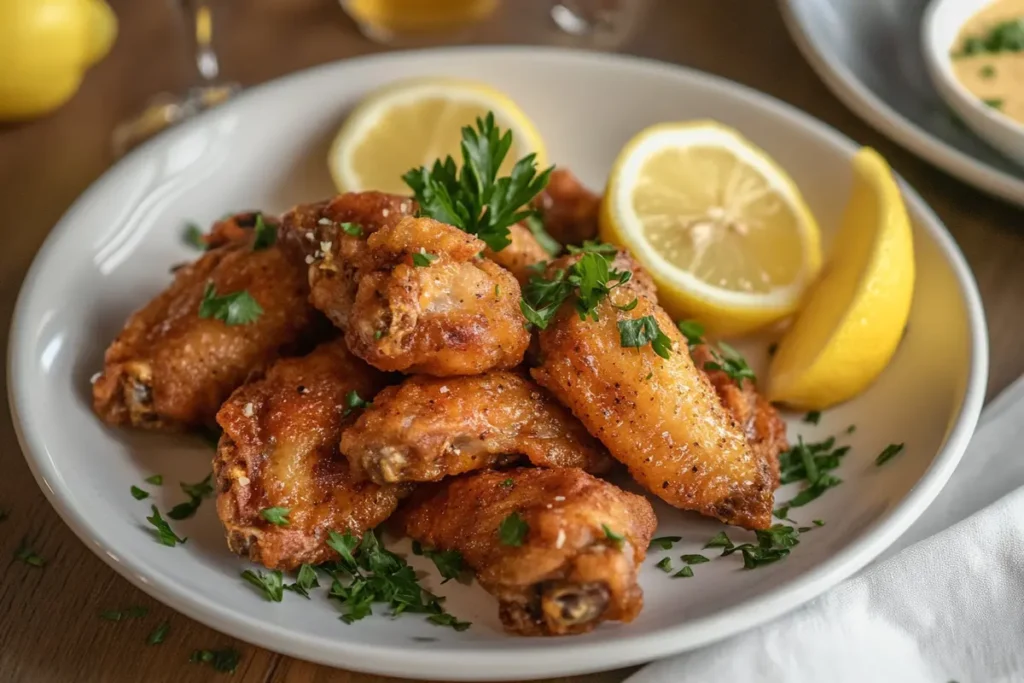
413	123
854	317
721	227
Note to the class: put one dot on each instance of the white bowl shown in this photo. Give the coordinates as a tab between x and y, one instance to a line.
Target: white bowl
939	30
267	148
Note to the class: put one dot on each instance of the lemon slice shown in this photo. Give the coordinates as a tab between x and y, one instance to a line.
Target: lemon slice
854	318
722	229
412	123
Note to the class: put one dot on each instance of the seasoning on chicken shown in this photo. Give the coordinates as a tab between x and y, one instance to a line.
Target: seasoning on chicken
231	312
427	303
559	548
658	415
428	428
279	453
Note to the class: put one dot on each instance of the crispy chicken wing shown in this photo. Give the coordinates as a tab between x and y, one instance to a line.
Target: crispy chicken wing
427	428
313	234
171	369
280	450
568	210
760	421
660	417
426	302
517	257
563	572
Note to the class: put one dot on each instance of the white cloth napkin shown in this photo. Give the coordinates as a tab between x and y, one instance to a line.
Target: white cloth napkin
946	608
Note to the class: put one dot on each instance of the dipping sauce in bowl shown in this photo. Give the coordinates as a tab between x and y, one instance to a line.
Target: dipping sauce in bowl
988	57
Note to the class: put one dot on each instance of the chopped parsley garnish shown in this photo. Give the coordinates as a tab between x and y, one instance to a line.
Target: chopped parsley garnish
158	634
725	358
890	452
277	516
353	401
590	279
26	554
994	102
1006	36
773	544
353	229
236	308
448	562
665	564
693	331
512	530
813	417
987	71
694	559
196	493
139	494
851	429
508	483
616	539
422	259
684	573
665	542
155	480
366	573
122	614
818	522
473	198
548	243
719	540
304	582
270	584
811	463
163	530
445	619
193	237
497	291
224	661
642	331
266	234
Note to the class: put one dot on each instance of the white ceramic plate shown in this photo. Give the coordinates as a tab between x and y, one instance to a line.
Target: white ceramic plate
112	251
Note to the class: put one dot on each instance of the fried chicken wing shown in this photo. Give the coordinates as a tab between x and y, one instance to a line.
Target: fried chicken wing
280	450
568	210
523	252
170	369
760	421
571	564
427	303
660	417
428	428
313	234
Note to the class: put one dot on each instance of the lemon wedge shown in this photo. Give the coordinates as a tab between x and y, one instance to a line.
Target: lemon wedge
413	123
721	227
854	318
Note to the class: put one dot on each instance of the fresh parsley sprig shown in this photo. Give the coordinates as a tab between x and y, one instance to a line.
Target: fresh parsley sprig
640	332
724	358
473	198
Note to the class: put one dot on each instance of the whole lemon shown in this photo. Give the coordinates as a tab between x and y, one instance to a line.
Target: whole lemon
45	48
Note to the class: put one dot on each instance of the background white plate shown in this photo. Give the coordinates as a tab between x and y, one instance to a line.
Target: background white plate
112	251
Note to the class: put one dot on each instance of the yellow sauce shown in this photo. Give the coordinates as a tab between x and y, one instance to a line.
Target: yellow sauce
995	77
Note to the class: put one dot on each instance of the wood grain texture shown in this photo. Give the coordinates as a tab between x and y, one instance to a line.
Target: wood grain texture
49	628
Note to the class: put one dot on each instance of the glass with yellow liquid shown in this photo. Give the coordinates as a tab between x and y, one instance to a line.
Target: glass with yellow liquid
404	20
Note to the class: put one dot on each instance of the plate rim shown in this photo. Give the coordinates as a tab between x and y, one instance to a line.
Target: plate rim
863	102
495	662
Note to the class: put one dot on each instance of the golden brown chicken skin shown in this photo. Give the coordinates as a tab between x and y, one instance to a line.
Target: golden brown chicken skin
280	450
760	421
567	574
427	303
313	235
660	417
170	369
428	428
568	210
518	257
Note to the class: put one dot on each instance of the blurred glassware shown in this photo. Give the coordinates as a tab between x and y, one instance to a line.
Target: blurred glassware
601	24
166	109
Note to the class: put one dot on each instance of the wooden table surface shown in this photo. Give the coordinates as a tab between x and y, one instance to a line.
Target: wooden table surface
49	628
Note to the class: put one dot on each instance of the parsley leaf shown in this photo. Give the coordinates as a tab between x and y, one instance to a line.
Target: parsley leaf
353	401
642	331
890	452
512	530
304	582
353	229
422	259
193	237
694	559
270	584
665	542
158	634
693	331
665	564
1005	36
813	417
163	530
448	563
445	619
548	243
196	493
266	234
994	102
224	661
719	540
507	483
616	539
155	480
590	278
732	363
818	522
686	572
139	494
236	308
473	198
277	516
